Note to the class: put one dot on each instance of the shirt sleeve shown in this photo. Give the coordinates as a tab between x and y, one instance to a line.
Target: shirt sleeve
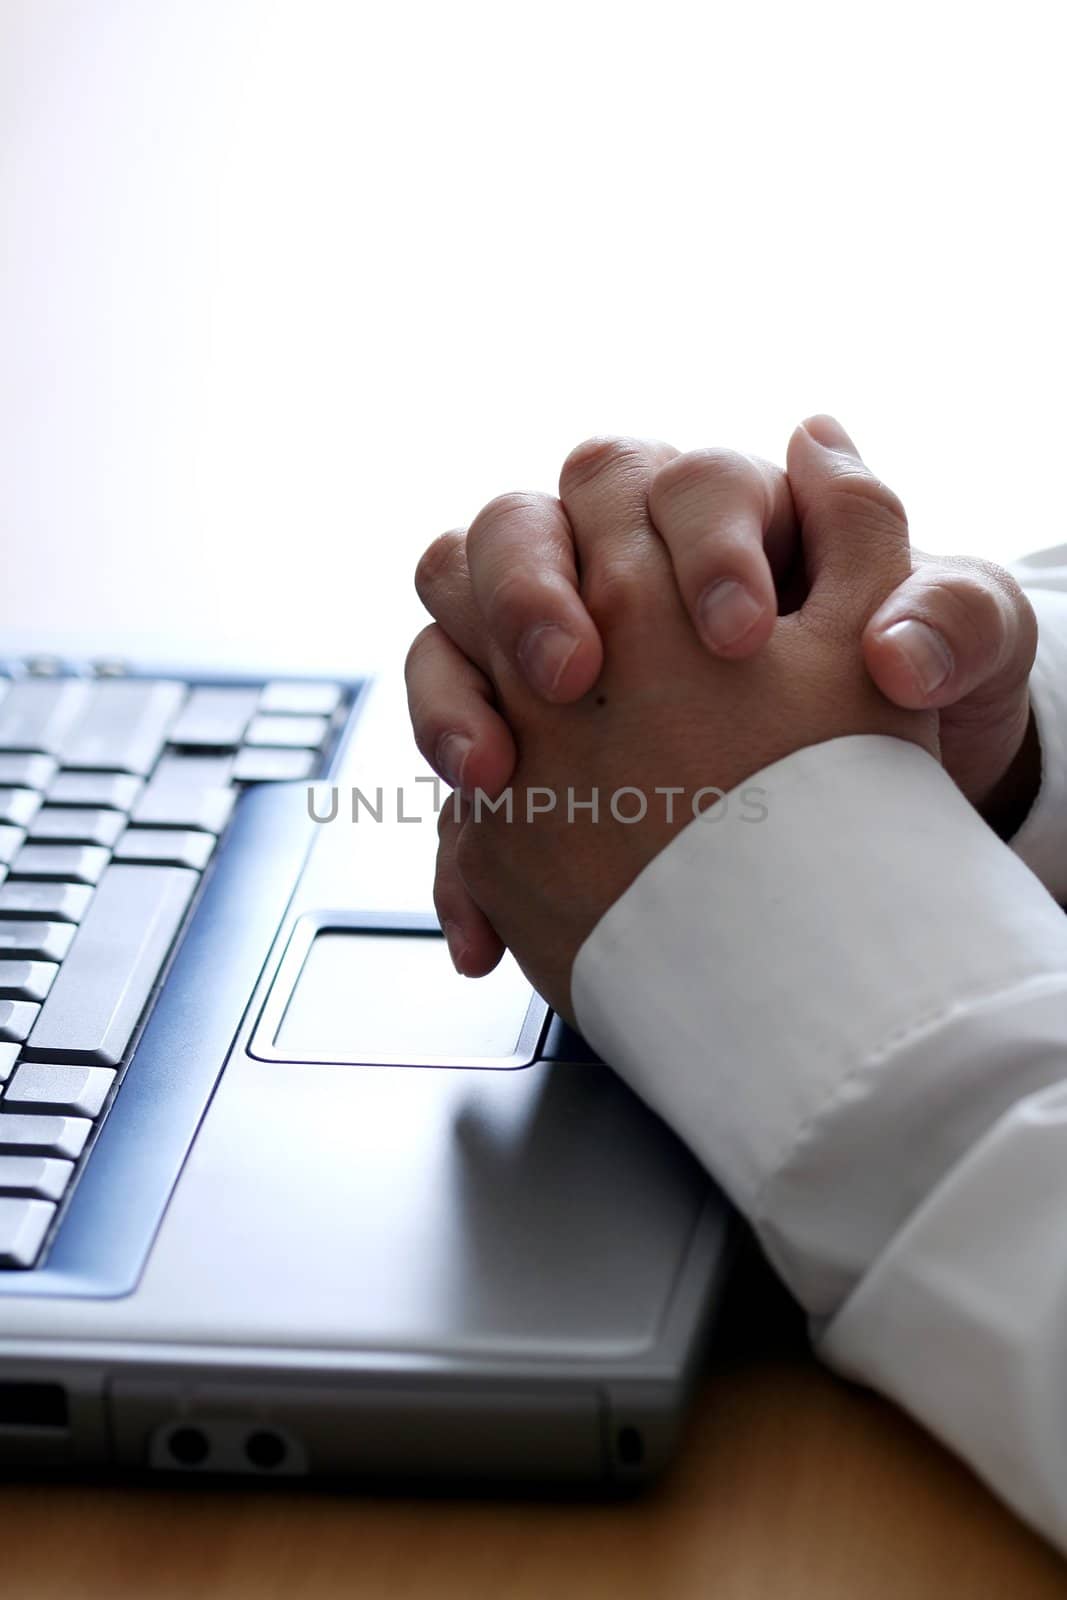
850	999
1042	840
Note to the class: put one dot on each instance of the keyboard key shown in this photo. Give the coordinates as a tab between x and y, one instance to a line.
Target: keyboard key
23	1225
27	1135
26	980
39	1176
17	1017
116	790
72	863
288	733
104	984
77	825
52	1087
26	772
37	713
18	807
10	843
215	718
47	666
35	941
58	902
123	726
176	769
274	766
166	847
181	806
302	699
113	791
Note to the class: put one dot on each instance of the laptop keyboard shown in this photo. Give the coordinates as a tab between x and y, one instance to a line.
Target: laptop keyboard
114	793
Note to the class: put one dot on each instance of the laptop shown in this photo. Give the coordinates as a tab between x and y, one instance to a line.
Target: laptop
280	1194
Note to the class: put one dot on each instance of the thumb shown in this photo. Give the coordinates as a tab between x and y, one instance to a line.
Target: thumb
854	529
955	631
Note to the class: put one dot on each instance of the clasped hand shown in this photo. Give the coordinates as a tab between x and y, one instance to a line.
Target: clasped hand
606	664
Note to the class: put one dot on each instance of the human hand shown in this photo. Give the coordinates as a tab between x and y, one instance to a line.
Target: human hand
957	635
666	714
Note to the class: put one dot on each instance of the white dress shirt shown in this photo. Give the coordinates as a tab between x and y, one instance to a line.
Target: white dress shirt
855	1012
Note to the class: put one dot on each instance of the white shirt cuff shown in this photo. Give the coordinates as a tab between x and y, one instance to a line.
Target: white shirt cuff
772	986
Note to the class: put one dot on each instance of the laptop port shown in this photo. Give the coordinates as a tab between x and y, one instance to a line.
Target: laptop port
33	1405
266	1450
189	1447
630	1447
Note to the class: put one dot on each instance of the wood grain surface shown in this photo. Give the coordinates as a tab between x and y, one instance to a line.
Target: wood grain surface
790	1486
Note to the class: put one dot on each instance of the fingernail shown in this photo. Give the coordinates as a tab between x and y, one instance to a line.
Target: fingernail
829	432
926	653
727	611
450	757
543	653
457	945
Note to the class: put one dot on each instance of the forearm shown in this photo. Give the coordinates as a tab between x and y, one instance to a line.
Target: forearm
836	1009
963	1319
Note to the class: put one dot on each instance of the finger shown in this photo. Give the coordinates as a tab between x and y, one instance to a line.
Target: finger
623	563
853	528
473	944
953	630
457	728
443	584
524	578
729	523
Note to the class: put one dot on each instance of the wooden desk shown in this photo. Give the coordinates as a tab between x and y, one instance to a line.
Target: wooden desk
791	1486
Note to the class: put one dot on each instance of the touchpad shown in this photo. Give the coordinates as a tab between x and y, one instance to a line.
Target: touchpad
368	994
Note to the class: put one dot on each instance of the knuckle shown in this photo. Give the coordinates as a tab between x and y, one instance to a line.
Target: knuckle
616	591
501	509
511	603
508	575
1001	584
986	610
973	607
863	503
595	456
438	561
707	473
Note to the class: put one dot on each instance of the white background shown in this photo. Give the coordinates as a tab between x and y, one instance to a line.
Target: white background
286	288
